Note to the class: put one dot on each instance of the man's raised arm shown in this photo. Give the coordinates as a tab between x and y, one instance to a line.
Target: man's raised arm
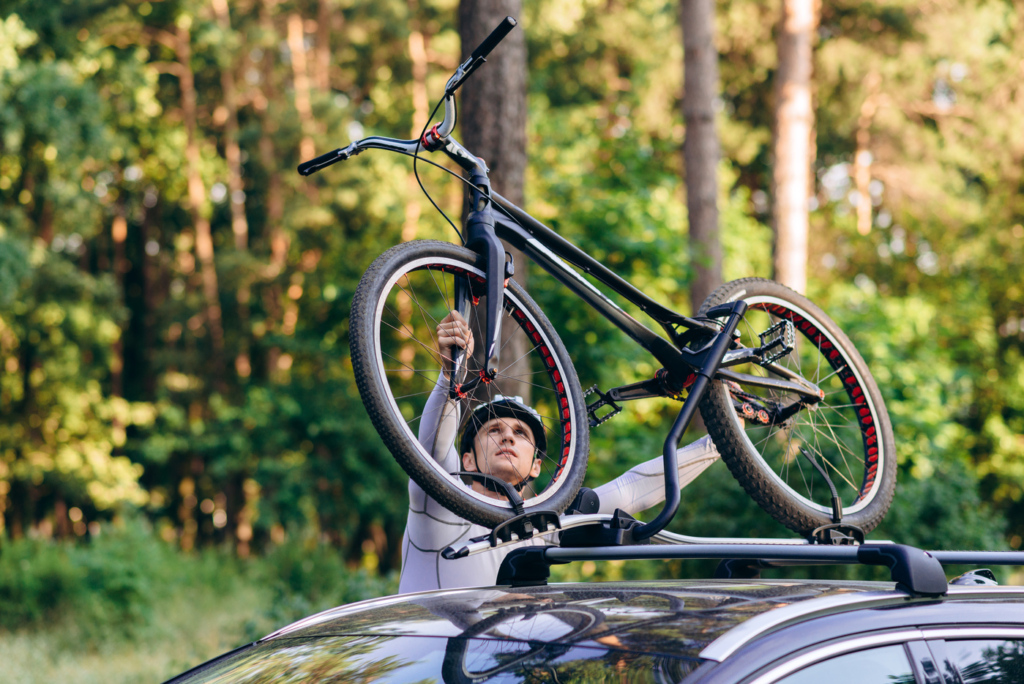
440	421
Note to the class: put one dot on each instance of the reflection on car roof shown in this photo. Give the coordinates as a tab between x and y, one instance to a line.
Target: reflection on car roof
679	618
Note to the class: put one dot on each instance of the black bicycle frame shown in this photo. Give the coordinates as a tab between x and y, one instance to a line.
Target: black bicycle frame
692	359
548	249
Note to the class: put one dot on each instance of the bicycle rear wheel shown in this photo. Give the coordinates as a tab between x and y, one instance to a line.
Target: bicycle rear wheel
512	641
848	432
400	300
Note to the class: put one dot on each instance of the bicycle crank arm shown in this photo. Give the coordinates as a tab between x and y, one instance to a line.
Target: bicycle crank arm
661	385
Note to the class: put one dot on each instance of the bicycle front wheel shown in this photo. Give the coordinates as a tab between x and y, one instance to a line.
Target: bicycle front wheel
400	300
848	432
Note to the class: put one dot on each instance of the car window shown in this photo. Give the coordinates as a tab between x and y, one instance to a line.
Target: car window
988	661
432	659
885	665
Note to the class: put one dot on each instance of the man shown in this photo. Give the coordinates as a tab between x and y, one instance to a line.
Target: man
501	440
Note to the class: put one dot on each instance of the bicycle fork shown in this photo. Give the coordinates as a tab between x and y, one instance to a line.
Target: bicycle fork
712	360
480	238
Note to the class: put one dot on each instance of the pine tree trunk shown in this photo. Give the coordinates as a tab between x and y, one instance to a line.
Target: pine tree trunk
322	63
232	151
276	234
700	148
862	158
420	104
300	80
493	127
119	234
791	144
413	210
199	207
236	198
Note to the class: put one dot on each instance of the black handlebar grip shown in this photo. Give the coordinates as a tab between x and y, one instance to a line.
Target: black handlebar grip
491	41
314	165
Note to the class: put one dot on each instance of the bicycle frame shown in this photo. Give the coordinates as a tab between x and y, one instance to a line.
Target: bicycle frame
548	249
687	368
691	359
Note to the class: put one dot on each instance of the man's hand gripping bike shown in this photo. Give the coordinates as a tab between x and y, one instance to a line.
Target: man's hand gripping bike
787	399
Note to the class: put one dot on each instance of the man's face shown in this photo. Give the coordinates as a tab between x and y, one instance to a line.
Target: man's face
504	449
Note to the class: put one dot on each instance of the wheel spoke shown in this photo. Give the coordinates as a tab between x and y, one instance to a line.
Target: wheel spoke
409	357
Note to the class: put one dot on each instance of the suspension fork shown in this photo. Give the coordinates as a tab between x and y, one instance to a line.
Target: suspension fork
481	238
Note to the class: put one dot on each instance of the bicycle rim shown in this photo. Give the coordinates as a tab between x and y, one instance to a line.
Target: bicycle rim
841	432
507	641
411	304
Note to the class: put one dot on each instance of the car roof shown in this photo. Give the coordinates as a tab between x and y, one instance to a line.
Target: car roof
682	617
699	619
720	630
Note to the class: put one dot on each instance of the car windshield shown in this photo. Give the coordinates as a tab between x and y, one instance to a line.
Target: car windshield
425	659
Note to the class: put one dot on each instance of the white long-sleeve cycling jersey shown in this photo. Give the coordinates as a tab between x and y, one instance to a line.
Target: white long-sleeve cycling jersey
431	527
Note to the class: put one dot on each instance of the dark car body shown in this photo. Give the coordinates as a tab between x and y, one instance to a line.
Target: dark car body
665	631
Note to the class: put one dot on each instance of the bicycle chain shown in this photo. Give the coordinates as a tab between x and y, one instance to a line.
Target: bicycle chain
761	415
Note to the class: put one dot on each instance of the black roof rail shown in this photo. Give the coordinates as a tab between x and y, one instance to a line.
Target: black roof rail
917	572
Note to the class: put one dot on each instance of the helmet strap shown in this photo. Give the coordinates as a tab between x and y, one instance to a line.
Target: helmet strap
490	486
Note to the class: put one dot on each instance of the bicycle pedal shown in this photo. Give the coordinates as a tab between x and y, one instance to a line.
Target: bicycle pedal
782	334
603	401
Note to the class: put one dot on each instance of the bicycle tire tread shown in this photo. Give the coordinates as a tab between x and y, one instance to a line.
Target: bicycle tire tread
395	439
715	408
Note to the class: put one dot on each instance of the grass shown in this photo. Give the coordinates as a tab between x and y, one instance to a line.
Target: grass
130	608
188	627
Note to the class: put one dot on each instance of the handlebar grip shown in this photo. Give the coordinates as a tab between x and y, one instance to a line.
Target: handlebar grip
491	41
314	165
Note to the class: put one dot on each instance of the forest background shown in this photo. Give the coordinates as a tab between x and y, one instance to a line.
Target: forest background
178	419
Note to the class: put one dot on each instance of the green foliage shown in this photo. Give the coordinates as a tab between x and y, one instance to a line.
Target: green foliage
117	586
305	578
117	395
943	512
109	584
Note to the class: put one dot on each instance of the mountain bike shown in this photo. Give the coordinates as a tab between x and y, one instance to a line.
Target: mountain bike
789	402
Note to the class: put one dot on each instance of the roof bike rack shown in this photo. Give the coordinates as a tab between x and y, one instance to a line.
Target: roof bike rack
586	526
917	572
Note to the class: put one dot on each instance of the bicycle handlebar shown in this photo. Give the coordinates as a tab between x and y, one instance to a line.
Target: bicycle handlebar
324	160
439	133
478	56
491	41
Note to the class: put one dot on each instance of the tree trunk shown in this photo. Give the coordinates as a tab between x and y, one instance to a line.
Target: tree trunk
862	159
276	235
232	152
791	144
236	198
413	210
420	103
322	72
154	291
300	80
493	127
119	234
199	207
700	148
